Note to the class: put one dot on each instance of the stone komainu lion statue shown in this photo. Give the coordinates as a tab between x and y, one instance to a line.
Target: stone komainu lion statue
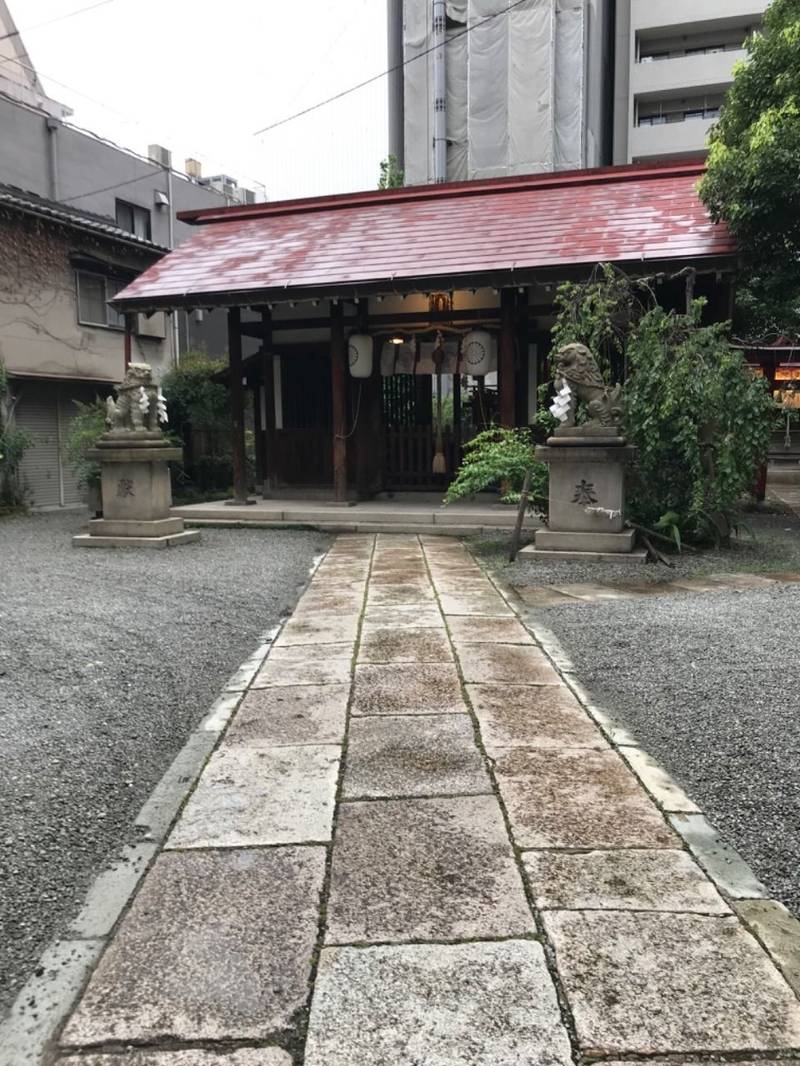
139	404
574	365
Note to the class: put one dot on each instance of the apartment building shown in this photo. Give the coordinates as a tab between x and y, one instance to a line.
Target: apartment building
674	61
514	88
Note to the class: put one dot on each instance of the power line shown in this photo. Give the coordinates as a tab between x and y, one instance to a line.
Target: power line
58	18
386	73
107	188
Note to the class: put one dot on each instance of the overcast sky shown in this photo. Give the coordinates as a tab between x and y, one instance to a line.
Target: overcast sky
201	78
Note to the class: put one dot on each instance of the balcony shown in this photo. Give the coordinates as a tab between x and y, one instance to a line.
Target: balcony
704	72
672	139
689	14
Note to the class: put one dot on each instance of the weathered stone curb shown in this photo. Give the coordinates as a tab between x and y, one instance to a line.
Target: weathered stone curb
46	999
767	919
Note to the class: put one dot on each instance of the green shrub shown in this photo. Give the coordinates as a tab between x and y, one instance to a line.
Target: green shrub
85	429
499	458
14	443
194	397
700	421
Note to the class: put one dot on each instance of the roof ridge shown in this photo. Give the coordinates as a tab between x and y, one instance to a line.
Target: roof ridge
448	190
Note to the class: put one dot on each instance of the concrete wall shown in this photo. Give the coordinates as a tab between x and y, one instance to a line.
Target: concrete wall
40	335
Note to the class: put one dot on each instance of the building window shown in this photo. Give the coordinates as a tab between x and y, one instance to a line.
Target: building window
134	219
94	292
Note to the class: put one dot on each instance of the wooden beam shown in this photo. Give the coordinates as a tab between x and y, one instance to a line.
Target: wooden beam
237	405
401	318
505	361
339	402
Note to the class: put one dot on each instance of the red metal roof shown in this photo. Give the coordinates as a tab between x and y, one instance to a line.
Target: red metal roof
501	228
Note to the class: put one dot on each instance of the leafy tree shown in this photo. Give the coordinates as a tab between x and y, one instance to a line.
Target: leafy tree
753	179
392	177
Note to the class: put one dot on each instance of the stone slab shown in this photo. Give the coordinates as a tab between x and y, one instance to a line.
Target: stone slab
666	792
172	540
278	673
634	557
592	592
216	946
489	605
658	983
540	716
555	540
392	595
405	616
471	630
385	644
632	879
577	799
157	527
437	1004
45	999
514	664
276	717
395	688
220	712
158	812
725	866
320	601
248	796
263	1056
778	931
426	755
311	629
424	869
391	577
299	653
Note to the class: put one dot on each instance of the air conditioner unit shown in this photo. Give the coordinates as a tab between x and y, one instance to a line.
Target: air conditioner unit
194	169
246	196
230	190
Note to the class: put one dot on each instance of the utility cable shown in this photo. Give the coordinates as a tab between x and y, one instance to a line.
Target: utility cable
390	70
58	18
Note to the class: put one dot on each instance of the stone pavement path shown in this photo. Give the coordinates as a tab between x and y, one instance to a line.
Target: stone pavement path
414	847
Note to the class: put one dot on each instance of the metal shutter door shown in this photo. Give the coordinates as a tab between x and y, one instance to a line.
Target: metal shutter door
37	412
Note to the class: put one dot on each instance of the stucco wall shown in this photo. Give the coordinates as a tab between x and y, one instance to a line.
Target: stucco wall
39	330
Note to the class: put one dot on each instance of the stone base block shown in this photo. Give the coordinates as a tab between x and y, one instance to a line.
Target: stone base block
555	540
583	557
129	527
86	540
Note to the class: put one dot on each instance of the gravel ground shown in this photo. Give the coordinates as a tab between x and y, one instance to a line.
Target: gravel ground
708	683
108	659
768	540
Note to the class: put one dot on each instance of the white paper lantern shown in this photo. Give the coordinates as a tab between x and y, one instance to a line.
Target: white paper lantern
476	353
359	354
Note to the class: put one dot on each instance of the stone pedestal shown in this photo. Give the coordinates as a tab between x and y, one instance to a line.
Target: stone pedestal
137	493
587	497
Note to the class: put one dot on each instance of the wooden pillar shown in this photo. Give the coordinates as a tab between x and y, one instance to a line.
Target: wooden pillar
237	405
339	402
507	377
268	380
129	319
